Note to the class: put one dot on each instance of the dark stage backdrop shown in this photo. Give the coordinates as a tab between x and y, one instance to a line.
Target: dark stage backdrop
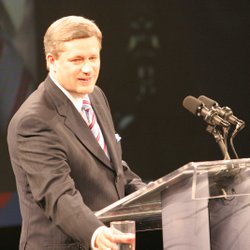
155	53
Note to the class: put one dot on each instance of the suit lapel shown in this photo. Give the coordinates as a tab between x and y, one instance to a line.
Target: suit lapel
75	122
106	125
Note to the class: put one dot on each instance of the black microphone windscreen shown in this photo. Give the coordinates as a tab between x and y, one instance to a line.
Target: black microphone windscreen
192	104
209	103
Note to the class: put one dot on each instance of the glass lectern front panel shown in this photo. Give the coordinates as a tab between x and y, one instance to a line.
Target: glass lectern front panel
207	180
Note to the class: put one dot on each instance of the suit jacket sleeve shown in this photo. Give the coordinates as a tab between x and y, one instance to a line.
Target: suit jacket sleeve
134	182
48	174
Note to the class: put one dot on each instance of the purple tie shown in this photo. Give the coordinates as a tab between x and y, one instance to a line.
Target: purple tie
93	125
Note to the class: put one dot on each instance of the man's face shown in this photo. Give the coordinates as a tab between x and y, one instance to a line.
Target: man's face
77	66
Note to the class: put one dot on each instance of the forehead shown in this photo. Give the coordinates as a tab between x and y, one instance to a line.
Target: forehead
82	44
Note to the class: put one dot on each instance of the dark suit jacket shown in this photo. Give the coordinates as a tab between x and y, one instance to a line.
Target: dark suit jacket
61	172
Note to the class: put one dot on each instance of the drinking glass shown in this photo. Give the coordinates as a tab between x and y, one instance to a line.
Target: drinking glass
127	227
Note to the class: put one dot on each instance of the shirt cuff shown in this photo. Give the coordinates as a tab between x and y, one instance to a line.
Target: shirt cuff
93	238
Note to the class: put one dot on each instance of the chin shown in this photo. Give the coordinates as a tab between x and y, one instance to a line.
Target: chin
86	90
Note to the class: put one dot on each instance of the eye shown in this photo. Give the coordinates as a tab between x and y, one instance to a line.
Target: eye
93	58
76	60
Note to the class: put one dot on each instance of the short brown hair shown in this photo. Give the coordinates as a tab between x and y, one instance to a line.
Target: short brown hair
66	29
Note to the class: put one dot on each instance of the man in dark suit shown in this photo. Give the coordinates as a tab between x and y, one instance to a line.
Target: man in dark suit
62	173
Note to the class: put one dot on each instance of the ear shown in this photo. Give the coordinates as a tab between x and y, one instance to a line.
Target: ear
51	62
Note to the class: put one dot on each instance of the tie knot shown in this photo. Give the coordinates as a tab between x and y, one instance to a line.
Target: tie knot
86	104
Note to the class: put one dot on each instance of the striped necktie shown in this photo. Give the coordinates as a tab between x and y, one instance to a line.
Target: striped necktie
93	125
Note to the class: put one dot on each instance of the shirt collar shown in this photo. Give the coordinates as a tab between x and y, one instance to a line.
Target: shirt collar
76	100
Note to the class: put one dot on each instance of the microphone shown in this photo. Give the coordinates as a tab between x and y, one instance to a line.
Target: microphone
198	108
224	112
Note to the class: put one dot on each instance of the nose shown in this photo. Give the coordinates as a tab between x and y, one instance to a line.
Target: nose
86	68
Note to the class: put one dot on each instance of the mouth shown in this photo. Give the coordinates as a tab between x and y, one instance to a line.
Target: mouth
85	80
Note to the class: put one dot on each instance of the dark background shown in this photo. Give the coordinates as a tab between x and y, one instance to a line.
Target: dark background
204	49
184	48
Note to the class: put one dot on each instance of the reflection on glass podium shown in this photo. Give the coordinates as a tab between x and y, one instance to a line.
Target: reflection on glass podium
202	205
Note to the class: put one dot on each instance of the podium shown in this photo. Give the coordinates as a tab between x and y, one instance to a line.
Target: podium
200	206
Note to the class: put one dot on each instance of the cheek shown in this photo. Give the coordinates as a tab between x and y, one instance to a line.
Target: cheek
69	71
97	69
